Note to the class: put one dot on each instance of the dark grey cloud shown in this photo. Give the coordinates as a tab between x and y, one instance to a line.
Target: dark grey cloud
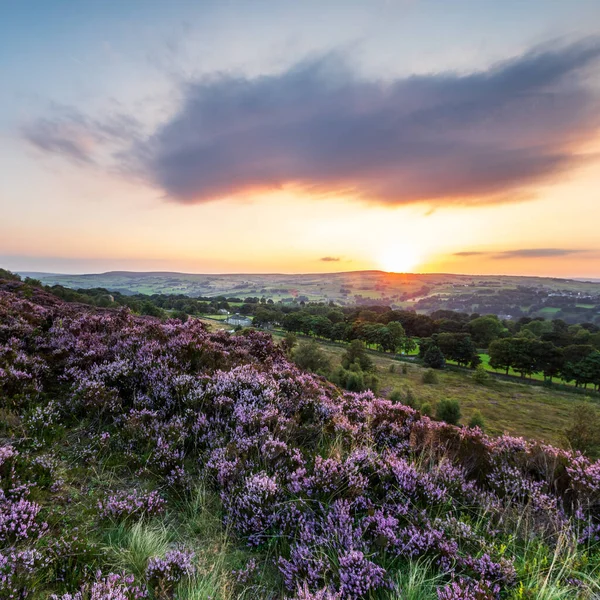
330	259
447	137
481	137
523	253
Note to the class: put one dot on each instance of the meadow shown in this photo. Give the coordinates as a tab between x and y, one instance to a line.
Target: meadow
155	459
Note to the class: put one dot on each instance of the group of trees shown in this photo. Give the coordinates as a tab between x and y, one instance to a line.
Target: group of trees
579	363
458	347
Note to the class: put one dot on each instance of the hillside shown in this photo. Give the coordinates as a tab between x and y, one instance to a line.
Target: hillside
573	300
142	458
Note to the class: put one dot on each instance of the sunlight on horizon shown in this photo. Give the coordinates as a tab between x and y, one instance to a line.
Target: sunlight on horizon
399	259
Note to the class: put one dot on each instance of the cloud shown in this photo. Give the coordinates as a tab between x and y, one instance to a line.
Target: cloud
75	136
536	253
330	259
442	137
445	138
522	253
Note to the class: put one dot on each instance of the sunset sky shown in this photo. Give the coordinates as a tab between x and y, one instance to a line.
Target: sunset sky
455	136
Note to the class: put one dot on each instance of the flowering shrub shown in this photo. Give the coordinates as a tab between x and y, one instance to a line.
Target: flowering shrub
124	505
343	488
164	572
110	587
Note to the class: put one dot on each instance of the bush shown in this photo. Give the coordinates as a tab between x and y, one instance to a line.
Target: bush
409	398
477	420
584	432
426	409
308	355
434	358
396	396
289	342
449	411
430	377
481	375
404	369
356	353
355	380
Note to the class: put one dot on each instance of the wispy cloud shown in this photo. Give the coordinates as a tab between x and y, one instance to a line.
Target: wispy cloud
537	253
72	134
523	253
330	259
444	138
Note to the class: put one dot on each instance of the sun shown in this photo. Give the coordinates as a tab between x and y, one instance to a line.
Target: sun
399	259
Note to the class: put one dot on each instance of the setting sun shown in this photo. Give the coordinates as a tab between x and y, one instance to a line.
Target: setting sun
399	259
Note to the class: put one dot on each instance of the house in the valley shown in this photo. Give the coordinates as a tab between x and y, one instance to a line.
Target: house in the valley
240	320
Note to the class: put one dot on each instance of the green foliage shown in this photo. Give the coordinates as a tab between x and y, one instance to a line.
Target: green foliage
434	358
584	432
485	330
8	275
430	377
426	409
481	376
355	379
308	355
289	342
396	396
477	420
356	353
448	410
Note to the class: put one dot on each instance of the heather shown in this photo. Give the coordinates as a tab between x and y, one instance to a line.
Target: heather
142	458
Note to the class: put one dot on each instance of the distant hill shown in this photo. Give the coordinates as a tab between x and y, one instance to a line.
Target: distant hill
509	296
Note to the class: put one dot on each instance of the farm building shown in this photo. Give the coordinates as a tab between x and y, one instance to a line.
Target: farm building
239	320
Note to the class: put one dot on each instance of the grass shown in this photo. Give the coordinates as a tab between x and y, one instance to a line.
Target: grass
535	412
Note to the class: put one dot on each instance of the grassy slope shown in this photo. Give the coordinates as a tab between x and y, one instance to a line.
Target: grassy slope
517	408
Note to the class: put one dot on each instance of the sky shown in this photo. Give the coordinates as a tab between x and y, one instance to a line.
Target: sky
317	136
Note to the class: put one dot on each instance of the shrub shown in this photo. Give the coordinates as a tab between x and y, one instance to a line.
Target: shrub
356	353
584	431
308	355
289	342
430	377
477	420
449	411
481	375
396	396
426	409
404	369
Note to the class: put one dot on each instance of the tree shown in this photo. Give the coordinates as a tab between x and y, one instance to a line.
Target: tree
434	358
458	347
500	352
339	332
485	330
